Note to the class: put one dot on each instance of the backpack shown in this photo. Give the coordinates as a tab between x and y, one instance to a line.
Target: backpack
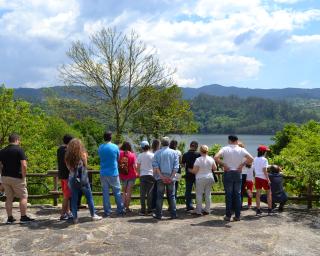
80	177
124	164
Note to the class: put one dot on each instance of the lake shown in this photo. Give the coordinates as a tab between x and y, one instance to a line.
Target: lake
251	141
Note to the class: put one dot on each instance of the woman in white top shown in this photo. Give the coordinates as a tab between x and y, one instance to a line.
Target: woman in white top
203	168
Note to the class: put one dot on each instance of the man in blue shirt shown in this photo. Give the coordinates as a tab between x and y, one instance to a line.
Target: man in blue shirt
109	175
165	165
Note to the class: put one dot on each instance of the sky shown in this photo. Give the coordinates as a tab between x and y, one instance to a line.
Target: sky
243	43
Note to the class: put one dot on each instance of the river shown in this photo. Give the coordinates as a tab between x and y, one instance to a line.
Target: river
251	141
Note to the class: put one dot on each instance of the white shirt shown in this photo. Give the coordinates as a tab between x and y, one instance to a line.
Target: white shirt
249	172
259	163
145	160
205	164
233	156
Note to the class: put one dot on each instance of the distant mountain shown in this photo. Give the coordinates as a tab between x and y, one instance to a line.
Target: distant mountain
275	94
38	95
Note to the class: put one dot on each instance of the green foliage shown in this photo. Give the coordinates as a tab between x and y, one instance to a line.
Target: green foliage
225	115
163	111
298	151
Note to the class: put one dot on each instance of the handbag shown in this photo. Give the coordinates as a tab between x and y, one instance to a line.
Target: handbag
80	177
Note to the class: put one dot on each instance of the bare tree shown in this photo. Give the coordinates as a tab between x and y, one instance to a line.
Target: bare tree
116	68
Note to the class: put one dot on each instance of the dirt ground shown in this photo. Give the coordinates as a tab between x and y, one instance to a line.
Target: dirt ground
293	232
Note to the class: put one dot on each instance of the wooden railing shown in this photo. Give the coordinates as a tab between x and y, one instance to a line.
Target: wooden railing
55	193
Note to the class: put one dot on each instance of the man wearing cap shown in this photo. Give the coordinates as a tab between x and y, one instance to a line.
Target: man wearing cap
165	165
145	169
233	158
262	180
109	175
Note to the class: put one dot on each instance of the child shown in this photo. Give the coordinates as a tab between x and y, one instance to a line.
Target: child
278	193
248	186
262	180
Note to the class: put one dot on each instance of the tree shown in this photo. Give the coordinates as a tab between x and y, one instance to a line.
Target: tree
13	114
164	112
116	68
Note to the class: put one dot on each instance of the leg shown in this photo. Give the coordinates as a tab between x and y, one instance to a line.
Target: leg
171	192
143	192
149	190
207	192
105	193
269	199
74	202
243	187
188	193
228	187
9	196
154	196
200	184
79	198
23	206
258	195
116	189
88	194
237	193
129	192
160	192
263	198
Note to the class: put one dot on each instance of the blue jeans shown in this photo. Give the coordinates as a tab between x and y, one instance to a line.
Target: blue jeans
112	182
161	187
190	181
232	187
86	190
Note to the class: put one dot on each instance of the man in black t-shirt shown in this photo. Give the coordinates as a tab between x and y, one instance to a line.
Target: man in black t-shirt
188	160
63	174
14	173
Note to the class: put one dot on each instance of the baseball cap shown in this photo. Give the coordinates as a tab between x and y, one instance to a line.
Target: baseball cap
263	148
144	143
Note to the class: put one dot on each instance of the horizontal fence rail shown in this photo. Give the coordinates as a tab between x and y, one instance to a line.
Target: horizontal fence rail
56	192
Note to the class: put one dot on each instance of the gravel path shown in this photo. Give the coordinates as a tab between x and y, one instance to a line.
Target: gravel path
293	232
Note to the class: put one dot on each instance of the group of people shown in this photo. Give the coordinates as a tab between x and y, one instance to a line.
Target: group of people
159	169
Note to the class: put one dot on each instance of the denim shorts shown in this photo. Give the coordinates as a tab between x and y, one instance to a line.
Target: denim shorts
129	182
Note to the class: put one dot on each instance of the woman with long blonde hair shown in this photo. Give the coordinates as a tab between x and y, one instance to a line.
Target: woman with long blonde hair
76	161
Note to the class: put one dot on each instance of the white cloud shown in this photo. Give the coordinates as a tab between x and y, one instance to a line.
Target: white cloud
287	1
305	39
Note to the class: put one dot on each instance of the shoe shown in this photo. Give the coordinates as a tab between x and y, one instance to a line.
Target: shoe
190	209
128	210
142	213
226	218
280	209
75	220
258	212
205	213
236	218
64	217
10	220
173	217
149	212
25	219
249	206
70	216
96	217
2	194
270	211
156	216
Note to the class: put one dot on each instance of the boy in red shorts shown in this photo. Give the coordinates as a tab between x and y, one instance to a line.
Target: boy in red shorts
262	180
63	174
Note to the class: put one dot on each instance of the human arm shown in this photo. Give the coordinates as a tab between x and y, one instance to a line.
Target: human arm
248	160
218	159
23	168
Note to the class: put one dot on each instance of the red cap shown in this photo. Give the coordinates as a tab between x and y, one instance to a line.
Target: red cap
263	148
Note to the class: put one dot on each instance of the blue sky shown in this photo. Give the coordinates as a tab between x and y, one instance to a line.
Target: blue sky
244	43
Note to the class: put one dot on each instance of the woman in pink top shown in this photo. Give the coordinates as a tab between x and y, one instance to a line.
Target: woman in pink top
127	171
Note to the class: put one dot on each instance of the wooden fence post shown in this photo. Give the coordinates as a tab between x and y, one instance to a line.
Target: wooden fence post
55	188
309	194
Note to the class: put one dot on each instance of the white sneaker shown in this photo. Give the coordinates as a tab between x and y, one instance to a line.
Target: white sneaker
96	217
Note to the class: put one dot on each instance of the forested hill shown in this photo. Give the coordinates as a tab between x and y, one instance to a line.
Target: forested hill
276	94
215	114
246	116
38	95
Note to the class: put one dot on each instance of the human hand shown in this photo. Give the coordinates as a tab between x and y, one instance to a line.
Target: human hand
226	167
